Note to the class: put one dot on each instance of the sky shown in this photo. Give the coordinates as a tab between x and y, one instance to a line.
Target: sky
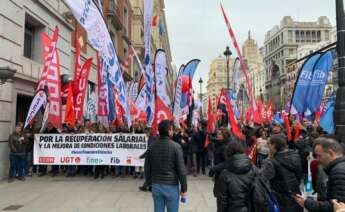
197	29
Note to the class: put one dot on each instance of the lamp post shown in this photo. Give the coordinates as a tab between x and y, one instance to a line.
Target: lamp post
339	112
6	73
200	82
261	96
227	53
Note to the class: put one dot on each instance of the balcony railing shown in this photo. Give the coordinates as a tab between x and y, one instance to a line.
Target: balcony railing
113	12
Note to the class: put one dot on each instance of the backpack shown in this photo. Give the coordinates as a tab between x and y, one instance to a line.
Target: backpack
260	196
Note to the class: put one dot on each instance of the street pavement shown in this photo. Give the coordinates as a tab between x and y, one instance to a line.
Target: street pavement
82	194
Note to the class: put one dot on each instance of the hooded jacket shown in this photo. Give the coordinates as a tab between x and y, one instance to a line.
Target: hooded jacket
234	183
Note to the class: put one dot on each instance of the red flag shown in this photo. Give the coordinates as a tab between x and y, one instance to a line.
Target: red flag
243	66
70	113
269	111
141	83
51	77
154	20
162	112
259	113
118	108
211	122
234	127
248	115
252	151
297	131
80	90
288	129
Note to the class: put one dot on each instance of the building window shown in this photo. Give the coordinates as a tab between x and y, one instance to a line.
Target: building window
302	37
290	36
313	36
29	41
125	20
318	36
32	47
327	35
297	35
308	35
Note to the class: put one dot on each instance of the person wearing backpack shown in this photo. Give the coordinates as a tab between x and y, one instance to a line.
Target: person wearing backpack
283	169
235	180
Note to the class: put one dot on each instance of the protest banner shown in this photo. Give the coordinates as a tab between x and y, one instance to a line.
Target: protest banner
90	149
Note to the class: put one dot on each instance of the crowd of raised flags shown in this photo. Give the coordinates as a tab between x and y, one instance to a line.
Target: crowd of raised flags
147	100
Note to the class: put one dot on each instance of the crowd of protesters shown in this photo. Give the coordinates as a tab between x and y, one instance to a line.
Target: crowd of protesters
281	160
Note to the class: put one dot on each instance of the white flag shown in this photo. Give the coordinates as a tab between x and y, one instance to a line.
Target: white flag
40	99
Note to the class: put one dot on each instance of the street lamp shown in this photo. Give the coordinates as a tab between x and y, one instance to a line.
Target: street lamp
200	82
339	112
261	96
6	73
227	53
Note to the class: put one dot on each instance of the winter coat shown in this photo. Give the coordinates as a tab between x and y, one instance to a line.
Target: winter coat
16	143
335	187
164	164
284	172
234	183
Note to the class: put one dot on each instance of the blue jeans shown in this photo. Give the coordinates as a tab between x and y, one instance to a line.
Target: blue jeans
165	196
17	164
29	162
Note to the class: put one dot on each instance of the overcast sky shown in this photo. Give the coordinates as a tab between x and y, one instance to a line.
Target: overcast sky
197	29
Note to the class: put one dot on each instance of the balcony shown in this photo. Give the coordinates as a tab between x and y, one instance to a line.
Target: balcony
113	12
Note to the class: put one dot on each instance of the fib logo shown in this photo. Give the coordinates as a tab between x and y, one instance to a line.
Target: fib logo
115	160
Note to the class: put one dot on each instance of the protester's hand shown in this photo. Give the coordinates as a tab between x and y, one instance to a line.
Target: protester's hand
300	200
183	194
338	205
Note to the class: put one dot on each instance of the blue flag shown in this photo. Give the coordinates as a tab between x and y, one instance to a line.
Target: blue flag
111	114
190	68
303	82
233	104
326	121
277	119
317	85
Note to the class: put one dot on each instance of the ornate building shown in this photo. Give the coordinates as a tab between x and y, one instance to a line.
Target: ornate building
281	44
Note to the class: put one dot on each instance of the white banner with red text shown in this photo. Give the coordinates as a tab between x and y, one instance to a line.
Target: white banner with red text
90	149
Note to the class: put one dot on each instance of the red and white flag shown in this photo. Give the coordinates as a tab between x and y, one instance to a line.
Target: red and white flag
51	77
232	120
243	66
211	125
162	112
103	100
80	89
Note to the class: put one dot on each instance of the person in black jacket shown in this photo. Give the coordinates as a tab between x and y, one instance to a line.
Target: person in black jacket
329	154
235	180
219	159
165	169
42	169
202	151
283	169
